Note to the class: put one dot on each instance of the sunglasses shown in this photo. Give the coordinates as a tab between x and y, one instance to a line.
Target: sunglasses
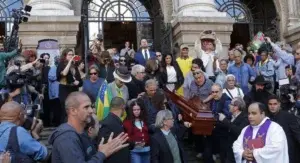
122	60
95	73
214	91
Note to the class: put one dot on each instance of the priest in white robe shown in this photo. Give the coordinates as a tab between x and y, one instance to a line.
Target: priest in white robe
263	141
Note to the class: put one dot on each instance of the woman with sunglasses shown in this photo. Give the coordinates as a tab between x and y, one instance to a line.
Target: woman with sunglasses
93	83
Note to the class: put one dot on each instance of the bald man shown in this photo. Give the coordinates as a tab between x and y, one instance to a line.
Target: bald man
66	139
12	117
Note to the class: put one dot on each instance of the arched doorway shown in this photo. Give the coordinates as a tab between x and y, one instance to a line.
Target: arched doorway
118	21
251	16
6	20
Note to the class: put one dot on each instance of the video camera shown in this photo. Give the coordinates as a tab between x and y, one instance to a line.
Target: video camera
17	78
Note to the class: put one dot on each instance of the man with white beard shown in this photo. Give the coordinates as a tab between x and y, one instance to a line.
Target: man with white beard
263	141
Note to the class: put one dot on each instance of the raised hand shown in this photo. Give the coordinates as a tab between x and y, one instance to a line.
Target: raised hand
113	145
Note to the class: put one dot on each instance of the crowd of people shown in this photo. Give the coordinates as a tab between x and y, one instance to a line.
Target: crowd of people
116	109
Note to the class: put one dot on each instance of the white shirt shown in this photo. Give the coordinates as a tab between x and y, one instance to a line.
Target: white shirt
208	59
274	151
143	52
236	92
172	77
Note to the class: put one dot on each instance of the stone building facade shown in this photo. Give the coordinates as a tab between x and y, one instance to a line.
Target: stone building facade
62	20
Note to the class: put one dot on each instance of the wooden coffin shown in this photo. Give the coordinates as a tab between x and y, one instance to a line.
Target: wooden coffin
194	111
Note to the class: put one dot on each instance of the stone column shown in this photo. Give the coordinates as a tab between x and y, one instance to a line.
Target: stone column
198	8
195	16
294	13
50	19
292	35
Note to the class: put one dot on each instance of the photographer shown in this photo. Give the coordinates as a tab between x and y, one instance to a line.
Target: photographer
68	76
16	139
23	80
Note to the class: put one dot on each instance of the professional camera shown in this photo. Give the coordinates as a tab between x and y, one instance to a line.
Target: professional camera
288	95
17	78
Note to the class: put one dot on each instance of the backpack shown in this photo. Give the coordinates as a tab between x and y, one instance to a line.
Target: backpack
14	149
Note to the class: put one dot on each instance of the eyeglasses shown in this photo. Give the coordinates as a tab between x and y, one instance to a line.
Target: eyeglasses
196	73
158	55
95	73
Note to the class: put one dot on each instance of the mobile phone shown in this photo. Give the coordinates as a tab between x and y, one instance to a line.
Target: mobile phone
77	58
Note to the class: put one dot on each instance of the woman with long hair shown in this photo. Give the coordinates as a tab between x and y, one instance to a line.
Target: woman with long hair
106	67
68	76
171	76
137	130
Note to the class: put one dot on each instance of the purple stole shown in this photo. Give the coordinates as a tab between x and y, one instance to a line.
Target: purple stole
261	135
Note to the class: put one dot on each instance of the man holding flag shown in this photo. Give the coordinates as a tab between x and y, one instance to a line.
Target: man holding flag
115	89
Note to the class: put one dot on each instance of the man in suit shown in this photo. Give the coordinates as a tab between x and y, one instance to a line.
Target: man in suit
144	54
235	125
165	146
113	123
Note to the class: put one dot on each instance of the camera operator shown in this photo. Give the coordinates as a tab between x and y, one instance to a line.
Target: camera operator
21	80
16	139
3	59
68	76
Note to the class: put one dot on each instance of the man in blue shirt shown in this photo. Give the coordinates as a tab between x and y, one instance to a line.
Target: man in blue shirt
242	72
12	114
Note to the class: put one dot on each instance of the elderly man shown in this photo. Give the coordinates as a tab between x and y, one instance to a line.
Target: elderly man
219	105
200	87
118	88
263	141
144	54
66	139
148	99
235	125
290	126
137	85
243	72
164	145
16	139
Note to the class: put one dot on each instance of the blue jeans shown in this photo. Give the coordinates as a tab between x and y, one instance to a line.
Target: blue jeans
140	157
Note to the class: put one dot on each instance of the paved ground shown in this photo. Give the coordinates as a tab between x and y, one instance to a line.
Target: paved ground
190	152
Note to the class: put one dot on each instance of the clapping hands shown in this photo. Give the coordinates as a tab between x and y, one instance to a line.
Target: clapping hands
113	144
